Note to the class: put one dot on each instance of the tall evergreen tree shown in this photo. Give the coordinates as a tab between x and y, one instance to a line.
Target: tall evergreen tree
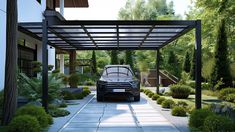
129	58
94	66
10	88
187	63
193	65
173	66
221	68
114	57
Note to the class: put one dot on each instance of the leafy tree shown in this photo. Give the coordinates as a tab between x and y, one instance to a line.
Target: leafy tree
221	67
10	88
193	65
114	57
129	59
187	63
94	67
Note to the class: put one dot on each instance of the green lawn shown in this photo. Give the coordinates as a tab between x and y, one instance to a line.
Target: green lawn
3	129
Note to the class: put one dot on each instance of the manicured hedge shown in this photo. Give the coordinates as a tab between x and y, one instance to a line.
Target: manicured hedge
217	123
160	100
197	118
168	103
225	92
180	91
37	112
178	111
155	97
24	123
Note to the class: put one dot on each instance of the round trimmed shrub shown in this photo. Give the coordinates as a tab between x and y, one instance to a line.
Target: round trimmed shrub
226	91
35	111
230	98
73	80
180	91
80	95
50	119
155	97
147	91
178	111
68	95
141	90
182	104
86	92
24	123
150	95
198	117
168	103
217	123
160	100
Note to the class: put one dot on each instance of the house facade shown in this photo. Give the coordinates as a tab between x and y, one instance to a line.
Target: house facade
29	48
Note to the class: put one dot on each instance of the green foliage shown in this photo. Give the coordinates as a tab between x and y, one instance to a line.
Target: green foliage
225	92
160	100
24	123
58	112
63	105
187	63
230	98
50	67
182	104
221	67
184	78
193	65
35	111
155	97
73	80
150	94
32	87
180	91
129	58
79	95
197	118
217	123
94	66
86	92
173	65
114	57
168	103
68	95
178	111
142	90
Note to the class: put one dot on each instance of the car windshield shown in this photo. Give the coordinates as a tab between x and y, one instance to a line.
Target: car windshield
117	71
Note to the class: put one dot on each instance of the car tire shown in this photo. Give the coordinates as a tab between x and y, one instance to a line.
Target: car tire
137	98
99	98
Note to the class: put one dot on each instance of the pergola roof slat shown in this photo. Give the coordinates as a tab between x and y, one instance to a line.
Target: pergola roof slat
97	35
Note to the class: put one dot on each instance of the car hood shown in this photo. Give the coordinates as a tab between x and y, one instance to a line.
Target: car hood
116	79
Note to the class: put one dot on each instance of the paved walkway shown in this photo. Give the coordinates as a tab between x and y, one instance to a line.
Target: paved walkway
118	117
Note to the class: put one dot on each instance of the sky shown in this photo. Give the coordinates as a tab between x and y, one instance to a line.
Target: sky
108	9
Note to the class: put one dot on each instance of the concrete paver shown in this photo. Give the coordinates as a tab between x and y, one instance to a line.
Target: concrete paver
119	117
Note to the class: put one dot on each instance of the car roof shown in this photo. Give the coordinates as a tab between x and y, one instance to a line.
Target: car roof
127	66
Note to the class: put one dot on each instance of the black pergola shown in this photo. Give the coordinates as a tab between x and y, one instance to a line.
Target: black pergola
111	35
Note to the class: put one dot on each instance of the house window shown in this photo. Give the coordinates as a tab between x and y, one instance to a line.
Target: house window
39	1
26	56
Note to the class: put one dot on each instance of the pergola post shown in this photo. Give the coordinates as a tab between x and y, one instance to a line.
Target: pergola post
157	71
198	65
45	65
72	61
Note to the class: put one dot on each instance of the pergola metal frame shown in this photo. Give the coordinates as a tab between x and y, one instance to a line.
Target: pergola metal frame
74	35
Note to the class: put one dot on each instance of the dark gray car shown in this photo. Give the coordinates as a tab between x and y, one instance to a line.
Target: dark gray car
118	80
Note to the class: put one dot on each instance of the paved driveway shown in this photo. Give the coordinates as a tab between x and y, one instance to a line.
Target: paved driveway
118	117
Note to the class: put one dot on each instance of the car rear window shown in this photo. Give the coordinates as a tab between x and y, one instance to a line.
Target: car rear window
117	71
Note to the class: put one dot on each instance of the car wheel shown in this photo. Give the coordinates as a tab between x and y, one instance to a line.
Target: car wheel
99	98
137	98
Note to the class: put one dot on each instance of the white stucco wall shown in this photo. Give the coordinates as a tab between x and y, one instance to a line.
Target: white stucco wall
51	56
28	11
2	41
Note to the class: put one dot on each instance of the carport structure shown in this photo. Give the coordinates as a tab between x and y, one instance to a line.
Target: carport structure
110	35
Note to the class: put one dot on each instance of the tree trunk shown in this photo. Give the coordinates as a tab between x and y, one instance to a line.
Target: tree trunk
10	89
